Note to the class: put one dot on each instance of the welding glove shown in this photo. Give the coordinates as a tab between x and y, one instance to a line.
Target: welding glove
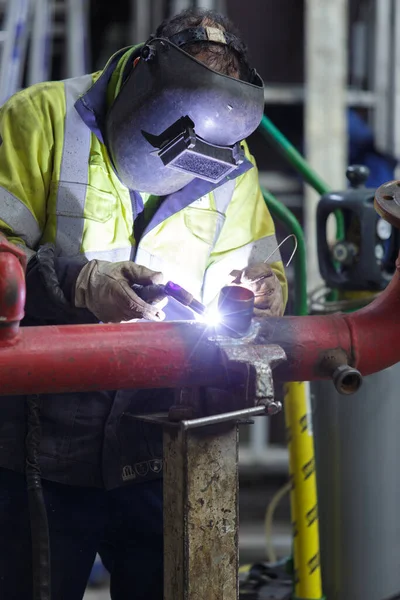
265	285
105	288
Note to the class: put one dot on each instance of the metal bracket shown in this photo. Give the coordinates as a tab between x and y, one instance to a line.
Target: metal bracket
229	417
261	358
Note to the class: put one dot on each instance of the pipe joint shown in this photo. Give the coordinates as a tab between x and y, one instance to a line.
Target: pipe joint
12	289
346	379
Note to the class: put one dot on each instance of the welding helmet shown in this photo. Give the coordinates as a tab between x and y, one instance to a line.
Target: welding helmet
175	119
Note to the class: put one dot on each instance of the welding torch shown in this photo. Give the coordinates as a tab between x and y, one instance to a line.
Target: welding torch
173	290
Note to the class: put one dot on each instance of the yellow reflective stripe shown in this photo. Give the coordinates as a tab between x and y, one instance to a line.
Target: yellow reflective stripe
74	172
17	216
217	274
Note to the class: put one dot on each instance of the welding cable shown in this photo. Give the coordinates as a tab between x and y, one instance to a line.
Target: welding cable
277	140
37	509
319	302
269	518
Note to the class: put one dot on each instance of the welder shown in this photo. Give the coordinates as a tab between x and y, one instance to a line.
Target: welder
132	176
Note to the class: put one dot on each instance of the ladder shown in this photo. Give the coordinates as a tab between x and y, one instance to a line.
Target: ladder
13	40
37	24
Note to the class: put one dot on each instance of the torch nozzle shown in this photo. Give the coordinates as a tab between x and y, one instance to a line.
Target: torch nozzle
184	297
150	292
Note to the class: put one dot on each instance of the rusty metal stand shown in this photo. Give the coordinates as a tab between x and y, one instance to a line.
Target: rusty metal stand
201	520
201	513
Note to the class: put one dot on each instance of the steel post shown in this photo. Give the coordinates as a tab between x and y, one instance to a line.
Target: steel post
201	554
201	513
325	108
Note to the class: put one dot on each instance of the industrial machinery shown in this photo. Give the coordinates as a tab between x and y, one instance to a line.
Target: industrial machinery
355	441
200	439
364	260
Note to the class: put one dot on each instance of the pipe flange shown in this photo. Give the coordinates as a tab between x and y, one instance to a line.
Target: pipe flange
387	202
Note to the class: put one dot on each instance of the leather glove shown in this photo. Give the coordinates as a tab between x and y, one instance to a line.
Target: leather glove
105	288
265	285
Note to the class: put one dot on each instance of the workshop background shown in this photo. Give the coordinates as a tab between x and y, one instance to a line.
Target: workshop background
338	106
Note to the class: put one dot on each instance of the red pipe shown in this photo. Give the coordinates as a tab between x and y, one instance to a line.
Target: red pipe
150	355
308	342
108	357
368	338
375	330
12	289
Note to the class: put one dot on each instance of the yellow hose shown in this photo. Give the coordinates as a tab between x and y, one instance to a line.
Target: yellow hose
304	507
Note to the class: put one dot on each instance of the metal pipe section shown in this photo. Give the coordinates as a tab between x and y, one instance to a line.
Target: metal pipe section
151	355
375	330
12	291
92	357
236	307
316	346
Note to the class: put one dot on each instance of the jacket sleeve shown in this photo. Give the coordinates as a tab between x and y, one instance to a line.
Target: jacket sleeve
26	164
247	237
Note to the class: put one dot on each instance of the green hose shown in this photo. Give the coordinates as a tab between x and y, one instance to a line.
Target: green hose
287	218
276	138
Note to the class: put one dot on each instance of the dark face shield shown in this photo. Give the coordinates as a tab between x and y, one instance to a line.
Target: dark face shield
184	151
175	119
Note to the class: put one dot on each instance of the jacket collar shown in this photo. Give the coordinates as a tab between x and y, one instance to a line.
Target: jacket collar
93	105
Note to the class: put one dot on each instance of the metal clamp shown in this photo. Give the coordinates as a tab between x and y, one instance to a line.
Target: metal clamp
259	357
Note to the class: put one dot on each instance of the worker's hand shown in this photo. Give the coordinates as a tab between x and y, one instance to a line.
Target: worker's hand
267	290
105	288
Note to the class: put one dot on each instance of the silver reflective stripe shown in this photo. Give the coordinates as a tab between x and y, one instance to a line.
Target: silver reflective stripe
146	259
19	218
217	275
265	250
72	188
28	252
115	255
222	197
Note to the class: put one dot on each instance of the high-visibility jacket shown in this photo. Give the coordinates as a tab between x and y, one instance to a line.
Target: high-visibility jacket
57	185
